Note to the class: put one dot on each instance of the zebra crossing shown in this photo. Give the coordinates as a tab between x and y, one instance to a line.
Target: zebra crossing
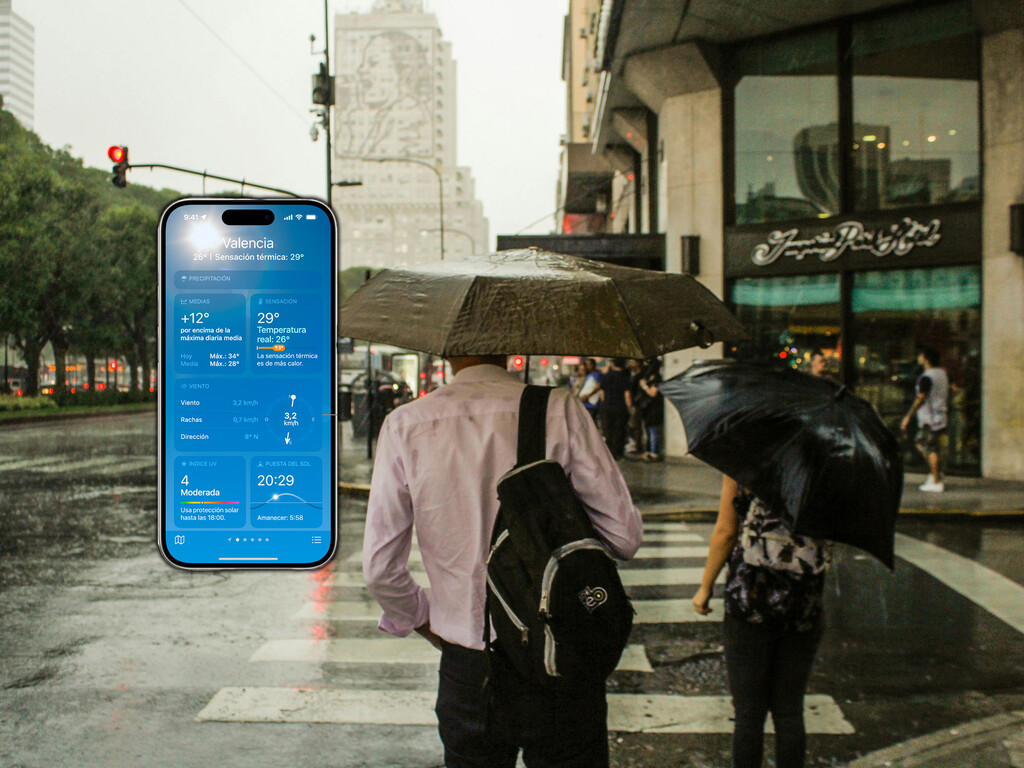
59	465
341	601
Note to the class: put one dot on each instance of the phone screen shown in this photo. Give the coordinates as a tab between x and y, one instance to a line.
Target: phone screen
247	382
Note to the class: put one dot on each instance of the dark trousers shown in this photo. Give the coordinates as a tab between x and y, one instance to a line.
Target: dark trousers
554	729
613	427
768	671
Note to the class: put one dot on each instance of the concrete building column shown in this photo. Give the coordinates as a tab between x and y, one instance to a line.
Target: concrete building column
691	203
1002	270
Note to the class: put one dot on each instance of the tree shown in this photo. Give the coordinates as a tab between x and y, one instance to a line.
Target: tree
127	238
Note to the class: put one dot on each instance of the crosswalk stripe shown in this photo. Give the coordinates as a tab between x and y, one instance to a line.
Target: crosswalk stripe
656	553
391	651
630	713
631	577
667	525
39	461
129	466
644	553
647	611
670	537
74	466
659	577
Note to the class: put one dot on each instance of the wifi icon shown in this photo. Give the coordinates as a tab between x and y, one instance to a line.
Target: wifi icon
298	215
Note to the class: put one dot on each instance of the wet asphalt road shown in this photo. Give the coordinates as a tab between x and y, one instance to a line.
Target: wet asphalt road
107	655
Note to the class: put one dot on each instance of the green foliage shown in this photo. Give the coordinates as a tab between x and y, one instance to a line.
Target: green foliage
102	397
11	403
77	255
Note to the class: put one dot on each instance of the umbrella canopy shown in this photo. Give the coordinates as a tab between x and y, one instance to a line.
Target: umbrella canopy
532	301
812	450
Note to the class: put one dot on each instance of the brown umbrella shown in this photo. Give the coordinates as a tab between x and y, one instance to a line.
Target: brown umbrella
536	302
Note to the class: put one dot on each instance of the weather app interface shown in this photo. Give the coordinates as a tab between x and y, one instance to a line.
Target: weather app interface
248	383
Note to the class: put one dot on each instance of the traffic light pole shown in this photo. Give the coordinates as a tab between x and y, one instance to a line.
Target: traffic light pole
207	175
327	107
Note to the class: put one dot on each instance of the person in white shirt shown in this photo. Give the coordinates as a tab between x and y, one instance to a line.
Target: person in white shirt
931	407
438	462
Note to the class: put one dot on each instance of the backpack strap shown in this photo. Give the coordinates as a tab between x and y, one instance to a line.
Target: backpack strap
533	415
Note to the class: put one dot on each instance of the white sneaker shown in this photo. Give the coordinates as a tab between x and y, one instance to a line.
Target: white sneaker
931	487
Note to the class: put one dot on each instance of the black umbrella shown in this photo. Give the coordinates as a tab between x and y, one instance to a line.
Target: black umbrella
532	301
814	451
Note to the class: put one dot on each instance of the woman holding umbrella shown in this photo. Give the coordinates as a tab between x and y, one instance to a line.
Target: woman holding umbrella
772	624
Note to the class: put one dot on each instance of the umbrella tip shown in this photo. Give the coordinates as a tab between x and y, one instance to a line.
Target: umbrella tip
704	336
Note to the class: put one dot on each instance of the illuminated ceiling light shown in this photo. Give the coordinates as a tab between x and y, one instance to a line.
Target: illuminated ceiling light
881	145
769	158
932	138
856	145
906	143
952	132
870	137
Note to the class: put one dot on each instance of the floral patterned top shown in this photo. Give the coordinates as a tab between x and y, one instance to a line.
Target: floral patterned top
774	578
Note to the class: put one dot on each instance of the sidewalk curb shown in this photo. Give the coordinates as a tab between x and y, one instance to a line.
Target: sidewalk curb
937	748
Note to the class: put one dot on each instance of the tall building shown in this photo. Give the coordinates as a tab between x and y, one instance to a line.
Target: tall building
17	64
394	121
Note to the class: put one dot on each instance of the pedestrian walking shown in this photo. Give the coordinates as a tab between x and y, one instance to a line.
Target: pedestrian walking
590	394
653	410
772	624
931	408
614	406
637	399
577	380
438	463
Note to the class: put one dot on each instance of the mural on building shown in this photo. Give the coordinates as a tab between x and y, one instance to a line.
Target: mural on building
384	108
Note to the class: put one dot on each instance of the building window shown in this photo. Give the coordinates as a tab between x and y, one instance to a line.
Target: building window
898	93
915	116
897	313
786	129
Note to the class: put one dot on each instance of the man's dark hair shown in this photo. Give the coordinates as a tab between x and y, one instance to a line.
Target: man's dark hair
931	355
618	362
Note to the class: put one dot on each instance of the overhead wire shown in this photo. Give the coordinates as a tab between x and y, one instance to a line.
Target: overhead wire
237	55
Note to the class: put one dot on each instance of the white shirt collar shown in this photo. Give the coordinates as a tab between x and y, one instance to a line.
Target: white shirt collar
483	372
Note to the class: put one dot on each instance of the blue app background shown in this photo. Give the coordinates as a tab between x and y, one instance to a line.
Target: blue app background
248	374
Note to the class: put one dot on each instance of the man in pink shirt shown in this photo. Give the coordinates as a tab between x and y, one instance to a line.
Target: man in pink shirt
437	469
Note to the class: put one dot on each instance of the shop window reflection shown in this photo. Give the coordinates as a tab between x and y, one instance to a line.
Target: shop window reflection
786	108
788	318
916	135
898	312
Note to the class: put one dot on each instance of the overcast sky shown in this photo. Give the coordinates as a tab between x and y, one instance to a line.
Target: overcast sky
152	75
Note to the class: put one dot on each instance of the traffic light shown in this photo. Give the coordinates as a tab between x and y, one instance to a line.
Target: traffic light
119	156
323	87
517	363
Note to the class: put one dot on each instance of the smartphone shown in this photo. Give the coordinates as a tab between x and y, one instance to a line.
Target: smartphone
247	376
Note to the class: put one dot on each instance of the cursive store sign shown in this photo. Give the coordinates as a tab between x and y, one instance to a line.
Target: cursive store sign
896	239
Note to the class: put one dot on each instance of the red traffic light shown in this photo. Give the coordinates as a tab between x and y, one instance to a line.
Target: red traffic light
113	365
517	362
116	154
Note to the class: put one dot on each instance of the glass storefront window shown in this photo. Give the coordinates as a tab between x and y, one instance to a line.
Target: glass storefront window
789	318
915	108
786	117
898	312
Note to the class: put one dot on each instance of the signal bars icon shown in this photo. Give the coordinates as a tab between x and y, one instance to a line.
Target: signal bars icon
289	217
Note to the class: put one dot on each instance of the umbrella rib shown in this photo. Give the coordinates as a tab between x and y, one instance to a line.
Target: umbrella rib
629	319
451	321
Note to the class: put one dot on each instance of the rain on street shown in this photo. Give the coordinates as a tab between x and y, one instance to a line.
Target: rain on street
109	656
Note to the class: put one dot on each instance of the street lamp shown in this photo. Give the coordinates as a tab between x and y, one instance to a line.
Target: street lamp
472	240
440	185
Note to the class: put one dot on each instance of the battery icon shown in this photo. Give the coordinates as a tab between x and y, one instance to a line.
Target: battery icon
310	216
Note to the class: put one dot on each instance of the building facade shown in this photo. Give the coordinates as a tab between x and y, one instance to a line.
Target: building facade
17	65
394	131
842	174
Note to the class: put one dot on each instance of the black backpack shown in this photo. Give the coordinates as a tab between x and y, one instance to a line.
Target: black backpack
559	611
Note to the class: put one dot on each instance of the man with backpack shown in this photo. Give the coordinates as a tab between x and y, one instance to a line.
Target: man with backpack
439	461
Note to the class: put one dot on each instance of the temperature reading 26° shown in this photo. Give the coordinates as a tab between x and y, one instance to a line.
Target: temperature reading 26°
195	318
267	318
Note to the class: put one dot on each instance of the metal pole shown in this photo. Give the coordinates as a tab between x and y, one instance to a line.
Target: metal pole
327	107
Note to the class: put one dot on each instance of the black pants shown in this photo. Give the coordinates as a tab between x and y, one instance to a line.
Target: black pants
554	730
768	671
613	427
